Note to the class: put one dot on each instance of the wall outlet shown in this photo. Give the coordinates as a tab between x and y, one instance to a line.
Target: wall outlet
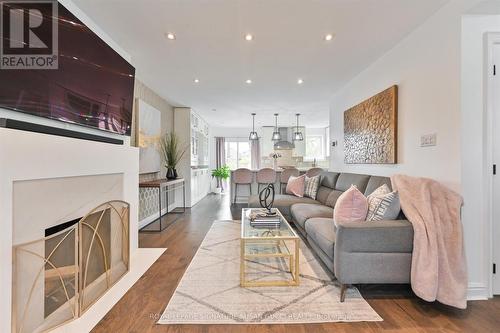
428	140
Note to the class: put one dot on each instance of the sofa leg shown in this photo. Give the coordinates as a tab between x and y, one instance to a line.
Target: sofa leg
343	289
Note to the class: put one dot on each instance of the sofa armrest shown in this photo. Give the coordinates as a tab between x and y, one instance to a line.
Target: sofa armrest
395	236
373	252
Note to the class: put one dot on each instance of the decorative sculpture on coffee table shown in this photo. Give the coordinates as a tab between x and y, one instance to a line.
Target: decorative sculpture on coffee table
266	199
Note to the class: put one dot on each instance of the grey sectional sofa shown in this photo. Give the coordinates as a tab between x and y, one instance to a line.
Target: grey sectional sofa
356	253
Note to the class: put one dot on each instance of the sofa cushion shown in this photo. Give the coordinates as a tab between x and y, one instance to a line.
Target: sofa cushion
323	193
301	212
281	201
333	197
329	179
345	181
321	231
375	182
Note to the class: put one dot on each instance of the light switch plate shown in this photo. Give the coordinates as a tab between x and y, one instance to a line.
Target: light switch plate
428	140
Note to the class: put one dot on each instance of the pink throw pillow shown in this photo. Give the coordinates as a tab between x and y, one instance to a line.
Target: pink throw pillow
295	186
351	206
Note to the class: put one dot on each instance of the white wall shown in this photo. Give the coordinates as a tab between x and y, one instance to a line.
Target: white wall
475	169
426	66
4	113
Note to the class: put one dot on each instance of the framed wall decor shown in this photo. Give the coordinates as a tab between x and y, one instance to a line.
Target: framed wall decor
370	130
149	126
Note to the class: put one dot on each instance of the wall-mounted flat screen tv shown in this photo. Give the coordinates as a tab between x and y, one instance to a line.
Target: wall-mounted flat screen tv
93	85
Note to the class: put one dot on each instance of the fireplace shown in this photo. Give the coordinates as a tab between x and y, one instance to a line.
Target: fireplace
49	180
58	277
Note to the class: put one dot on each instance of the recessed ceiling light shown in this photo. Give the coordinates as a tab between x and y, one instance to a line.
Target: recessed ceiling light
170	36
248	37
328	37
300	81
196	81
248	81
75	58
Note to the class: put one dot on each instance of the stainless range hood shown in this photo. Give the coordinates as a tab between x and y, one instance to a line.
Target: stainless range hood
286	142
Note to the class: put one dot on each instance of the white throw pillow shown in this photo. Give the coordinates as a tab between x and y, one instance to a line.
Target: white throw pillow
383	204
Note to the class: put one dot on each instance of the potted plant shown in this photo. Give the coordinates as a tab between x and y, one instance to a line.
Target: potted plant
221	174
171	153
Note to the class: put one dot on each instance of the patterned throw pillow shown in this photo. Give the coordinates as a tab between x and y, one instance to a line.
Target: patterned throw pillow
383	204
311	187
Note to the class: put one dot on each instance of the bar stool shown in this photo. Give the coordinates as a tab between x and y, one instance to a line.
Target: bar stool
242	176
313	172
285	175
265	176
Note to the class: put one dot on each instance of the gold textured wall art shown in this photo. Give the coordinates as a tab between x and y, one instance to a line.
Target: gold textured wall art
370	130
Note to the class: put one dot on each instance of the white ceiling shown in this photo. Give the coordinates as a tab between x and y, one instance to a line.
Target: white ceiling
288	44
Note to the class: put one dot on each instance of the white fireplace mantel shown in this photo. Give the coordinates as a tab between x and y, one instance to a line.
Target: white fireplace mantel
33	156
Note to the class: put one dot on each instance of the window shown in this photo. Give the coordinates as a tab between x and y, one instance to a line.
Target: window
238	154
315	148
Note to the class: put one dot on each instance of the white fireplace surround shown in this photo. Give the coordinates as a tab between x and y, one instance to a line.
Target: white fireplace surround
27	159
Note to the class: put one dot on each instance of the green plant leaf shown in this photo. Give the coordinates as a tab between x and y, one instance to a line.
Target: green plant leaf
171	149
222	173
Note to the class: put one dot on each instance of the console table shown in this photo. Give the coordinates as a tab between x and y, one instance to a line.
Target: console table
168	183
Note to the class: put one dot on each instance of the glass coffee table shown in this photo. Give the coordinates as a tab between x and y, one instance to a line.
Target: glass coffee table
258	243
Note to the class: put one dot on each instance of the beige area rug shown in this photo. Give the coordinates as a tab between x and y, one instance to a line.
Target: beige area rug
210	292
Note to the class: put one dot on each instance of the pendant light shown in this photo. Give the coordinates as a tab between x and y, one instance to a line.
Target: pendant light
253	135
297	135
276	133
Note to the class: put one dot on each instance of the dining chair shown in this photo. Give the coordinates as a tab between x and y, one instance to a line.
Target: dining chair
265	176
314	172
242	176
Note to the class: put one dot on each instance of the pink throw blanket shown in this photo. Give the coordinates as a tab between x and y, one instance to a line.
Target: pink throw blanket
438	270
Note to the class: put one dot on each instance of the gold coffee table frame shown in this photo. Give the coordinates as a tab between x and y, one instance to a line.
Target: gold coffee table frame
268	237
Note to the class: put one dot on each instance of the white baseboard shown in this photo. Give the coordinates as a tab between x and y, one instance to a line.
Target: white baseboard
139	264
477	292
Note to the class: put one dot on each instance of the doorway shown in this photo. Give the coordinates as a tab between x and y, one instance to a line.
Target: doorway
494	99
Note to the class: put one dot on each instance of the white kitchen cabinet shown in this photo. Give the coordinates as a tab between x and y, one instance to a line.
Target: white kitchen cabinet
200	184
193	131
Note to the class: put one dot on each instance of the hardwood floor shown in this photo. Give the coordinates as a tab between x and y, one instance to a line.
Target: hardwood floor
141	306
